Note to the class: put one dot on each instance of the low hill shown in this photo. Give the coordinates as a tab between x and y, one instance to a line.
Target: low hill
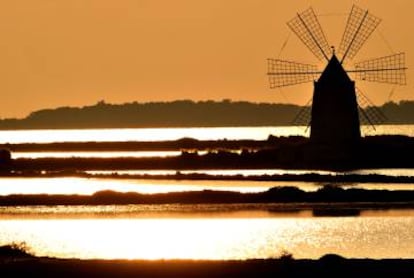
181	113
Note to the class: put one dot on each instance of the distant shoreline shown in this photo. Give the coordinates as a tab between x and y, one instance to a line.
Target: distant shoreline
185	113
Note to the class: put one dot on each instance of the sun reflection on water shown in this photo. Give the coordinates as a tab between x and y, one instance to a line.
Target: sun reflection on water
146	134
213	238
91	154
162	134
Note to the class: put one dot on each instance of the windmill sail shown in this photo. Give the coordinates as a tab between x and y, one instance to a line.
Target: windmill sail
369	113
334	113
284	73
359	27
303	117
389	69
306	26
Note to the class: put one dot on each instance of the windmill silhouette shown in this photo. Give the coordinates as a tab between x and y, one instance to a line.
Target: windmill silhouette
335	113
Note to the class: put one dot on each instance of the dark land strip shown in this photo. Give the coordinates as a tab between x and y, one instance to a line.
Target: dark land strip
322	179
331	195
326	266
276	152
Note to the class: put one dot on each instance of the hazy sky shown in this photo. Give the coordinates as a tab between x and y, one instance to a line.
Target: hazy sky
77	52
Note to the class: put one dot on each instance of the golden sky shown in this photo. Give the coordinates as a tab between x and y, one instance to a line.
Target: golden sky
77	52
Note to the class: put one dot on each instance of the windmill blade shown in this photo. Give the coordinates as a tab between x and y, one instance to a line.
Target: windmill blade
369	113
306	26
389	69
359	27
364	118
284	73
303	117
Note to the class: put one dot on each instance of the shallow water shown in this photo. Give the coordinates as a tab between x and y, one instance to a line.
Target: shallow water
214	235
88	186
144	134
199	231
96	154
162	134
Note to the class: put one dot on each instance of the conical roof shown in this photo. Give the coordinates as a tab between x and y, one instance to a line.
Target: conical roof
334	73
335	119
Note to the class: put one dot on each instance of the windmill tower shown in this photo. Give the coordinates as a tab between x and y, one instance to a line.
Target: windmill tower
335	118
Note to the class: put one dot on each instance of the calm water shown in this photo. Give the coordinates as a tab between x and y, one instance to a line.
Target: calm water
97	154
88	186
194	232
160	134
145	134
219	235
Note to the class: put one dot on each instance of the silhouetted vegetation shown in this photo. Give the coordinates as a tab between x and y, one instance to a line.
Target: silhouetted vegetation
5	160
181	113
323	199
286	256
277	152
15	250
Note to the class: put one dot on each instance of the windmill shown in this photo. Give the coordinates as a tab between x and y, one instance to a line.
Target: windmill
335	113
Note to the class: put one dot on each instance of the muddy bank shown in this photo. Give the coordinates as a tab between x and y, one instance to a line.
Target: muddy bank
338	178
326	266
274	153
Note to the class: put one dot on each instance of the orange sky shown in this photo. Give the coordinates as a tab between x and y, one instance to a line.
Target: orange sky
77	52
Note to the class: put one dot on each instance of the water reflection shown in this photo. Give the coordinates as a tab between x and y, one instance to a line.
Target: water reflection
96	154
389	172
213	238
162	134
144	134
88	186
253	210
156	211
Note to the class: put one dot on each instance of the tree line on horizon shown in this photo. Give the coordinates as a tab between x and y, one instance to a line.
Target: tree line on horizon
182	113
